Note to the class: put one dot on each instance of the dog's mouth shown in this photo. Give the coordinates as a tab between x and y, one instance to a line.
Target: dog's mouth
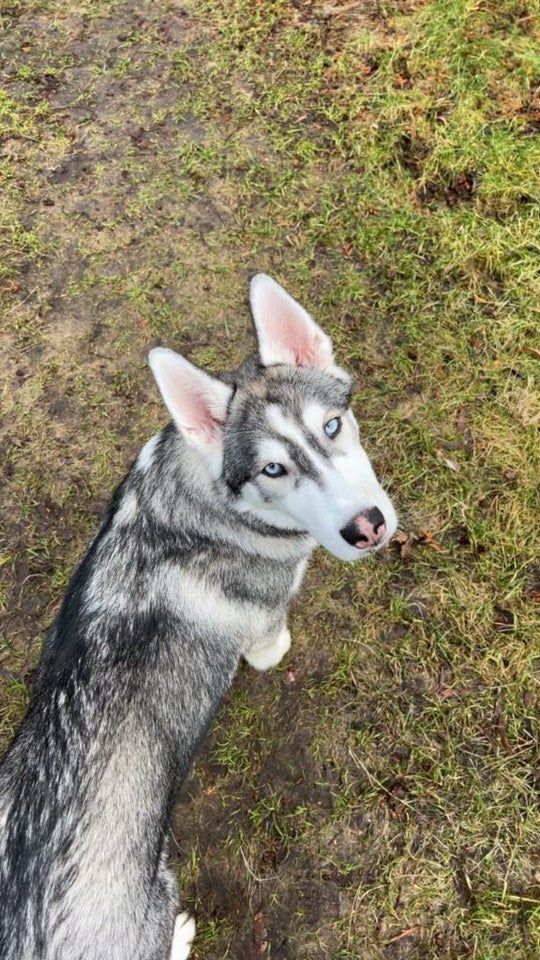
366	530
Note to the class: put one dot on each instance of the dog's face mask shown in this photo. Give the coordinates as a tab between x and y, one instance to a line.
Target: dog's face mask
281	435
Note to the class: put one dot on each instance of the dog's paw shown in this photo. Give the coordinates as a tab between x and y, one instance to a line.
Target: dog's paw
266	657
184	933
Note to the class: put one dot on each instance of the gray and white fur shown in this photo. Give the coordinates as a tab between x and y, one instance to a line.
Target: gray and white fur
203	546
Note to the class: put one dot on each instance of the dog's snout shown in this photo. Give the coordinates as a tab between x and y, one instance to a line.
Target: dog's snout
365	529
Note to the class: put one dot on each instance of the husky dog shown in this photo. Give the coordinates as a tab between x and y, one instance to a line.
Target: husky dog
203	546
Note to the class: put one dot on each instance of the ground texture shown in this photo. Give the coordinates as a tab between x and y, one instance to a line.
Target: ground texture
376	796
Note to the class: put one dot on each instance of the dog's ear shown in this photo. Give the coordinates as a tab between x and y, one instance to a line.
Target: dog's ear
285	331
197	402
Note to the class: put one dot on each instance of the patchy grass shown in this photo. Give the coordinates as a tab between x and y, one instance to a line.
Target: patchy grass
378	796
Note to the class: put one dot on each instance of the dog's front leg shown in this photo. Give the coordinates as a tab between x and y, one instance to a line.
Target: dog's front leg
184	932
264	657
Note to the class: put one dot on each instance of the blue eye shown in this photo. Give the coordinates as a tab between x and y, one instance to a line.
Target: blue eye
274	470
333	427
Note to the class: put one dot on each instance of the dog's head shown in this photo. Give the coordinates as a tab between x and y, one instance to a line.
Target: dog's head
279	433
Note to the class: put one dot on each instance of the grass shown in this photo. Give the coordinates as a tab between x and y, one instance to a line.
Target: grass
378	796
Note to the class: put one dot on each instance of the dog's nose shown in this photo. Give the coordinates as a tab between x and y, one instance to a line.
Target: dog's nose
365	529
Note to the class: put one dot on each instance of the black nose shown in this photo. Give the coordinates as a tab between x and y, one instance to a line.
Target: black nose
375	518
365	530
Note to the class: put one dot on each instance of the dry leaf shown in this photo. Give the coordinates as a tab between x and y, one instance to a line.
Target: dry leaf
405	541
426	536
461	420
258	937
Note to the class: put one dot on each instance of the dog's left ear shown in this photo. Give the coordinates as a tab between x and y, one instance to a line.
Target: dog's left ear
285	331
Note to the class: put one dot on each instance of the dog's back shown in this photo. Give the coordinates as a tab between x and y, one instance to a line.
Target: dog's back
147	640
121	700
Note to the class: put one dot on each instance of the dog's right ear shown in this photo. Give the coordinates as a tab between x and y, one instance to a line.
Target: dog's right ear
196	402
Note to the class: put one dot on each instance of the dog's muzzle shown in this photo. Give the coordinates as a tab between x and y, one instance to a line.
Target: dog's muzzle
365	529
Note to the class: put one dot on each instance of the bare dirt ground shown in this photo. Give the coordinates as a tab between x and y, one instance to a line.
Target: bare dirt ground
376	797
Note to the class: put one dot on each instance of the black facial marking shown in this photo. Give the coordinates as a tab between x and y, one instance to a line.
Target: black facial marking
304	465
315	443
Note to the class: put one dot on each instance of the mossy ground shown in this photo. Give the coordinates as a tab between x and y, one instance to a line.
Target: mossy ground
376	797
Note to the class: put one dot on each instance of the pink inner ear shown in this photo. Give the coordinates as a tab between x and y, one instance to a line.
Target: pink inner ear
296	337
302	344
196	401
285	331
195	411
